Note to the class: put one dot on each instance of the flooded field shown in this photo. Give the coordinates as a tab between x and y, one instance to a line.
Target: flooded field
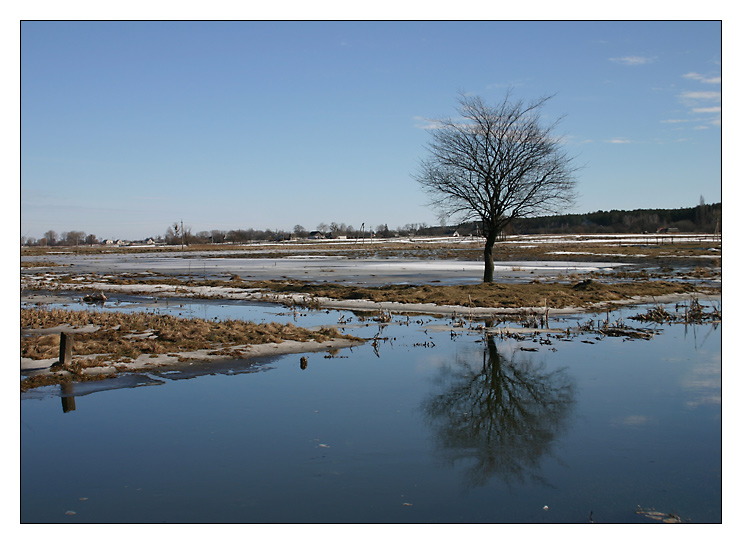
426	423
454	417
433	260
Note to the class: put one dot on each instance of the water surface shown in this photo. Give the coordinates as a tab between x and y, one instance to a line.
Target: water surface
423	426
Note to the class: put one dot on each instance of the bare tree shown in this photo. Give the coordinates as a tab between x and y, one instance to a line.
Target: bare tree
172	234
218	236
496	164
203	237
178	234
51	237
74	237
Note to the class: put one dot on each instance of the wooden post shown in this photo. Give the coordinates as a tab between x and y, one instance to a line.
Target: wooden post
65	349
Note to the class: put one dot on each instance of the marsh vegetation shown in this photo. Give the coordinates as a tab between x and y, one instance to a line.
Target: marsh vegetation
642	272
120	337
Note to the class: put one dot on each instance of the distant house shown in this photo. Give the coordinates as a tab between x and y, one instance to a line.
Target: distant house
150	241
316	235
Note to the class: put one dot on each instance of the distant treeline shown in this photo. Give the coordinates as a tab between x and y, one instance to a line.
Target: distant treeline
702	218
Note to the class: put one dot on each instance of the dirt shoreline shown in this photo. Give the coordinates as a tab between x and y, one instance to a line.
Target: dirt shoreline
165	292
292	294
378	286
107	343
144	362
42	367
455	310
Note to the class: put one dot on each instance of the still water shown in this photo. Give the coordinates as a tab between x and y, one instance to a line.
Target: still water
427	425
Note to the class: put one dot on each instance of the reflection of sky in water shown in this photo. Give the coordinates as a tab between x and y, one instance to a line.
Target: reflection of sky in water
211	310
703	382
247	444
635	421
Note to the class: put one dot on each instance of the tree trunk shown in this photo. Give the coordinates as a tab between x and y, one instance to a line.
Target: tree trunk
489	258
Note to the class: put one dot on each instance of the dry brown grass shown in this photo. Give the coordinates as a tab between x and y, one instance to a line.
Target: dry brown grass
421	249
128	335
493	295
38	264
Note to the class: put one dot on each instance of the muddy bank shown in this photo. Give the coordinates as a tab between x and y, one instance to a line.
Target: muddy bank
481	312
400	278
41	372
575	294
487	296
106	343
111	343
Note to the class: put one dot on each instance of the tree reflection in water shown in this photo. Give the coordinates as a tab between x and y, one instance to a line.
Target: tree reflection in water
500	419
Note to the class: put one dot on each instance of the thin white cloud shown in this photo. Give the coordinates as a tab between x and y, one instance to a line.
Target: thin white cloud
712	109
698	101
675	121
632	61
703	79
425	124
712	122
618	141
701	95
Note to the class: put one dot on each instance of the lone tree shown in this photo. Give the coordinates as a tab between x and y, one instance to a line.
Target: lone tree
496	164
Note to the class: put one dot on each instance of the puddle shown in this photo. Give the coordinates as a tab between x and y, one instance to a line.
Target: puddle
208	309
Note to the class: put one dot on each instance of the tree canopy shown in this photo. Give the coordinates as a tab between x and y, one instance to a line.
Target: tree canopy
496	164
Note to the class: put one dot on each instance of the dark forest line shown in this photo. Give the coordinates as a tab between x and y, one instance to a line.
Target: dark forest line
704	218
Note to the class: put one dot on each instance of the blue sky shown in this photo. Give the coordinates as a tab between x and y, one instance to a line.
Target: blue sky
127	127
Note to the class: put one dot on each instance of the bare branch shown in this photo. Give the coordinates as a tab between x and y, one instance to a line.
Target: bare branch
496	164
